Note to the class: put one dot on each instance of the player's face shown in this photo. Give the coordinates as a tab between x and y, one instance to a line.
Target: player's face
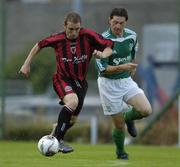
72	30
117	24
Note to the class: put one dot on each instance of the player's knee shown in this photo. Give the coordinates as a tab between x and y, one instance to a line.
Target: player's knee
120	127
146	111
72	102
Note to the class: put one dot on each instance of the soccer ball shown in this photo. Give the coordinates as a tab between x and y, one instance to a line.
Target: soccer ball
48	145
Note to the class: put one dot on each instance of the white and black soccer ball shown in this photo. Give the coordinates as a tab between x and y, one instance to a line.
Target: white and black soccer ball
48	145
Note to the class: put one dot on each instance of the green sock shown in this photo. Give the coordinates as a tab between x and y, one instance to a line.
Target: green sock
132	115
118	138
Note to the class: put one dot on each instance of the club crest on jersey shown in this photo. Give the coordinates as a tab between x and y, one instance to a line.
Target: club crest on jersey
68	88
73	50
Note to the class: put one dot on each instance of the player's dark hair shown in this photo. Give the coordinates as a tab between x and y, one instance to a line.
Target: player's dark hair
119	12
72	17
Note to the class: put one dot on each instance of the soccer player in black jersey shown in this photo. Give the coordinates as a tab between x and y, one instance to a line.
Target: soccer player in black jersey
73	48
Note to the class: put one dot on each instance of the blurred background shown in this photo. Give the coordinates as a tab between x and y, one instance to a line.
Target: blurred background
29	106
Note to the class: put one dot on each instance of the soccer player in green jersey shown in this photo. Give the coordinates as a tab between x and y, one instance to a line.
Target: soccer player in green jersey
121	97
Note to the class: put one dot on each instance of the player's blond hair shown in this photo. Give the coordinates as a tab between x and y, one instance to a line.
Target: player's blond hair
72	17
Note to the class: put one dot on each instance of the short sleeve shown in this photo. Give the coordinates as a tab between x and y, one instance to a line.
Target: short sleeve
47	42
51	41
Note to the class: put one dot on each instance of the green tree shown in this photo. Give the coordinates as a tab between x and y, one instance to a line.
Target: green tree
42	68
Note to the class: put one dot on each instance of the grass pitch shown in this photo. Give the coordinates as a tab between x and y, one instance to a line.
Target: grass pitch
25	154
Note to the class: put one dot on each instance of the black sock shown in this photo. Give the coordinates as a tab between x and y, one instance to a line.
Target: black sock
63	122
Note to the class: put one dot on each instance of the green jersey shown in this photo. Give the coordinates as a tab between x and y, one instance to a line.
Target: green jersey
124	51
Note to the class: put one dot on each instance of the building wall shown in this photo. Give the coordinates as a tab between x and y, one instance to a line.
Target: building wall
29	22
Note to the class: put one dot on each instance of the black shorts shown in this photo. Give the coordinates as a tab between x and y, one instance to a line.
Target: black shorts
64	86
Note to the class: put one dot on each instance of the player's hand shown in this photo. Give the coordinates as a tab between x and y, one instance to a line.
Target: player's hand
98	54
25	69
130	66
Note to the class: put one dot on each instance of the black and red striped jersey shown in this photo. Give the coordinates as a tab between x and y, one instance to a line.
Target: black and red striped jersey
73	56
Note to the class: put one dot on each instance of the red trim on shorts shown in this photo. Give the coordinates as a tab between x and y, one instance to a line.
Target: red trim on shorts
61	87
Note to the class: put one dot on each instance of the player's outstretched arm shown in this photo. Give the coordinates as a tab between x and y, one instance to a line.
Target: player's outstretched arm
105	53
25	69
